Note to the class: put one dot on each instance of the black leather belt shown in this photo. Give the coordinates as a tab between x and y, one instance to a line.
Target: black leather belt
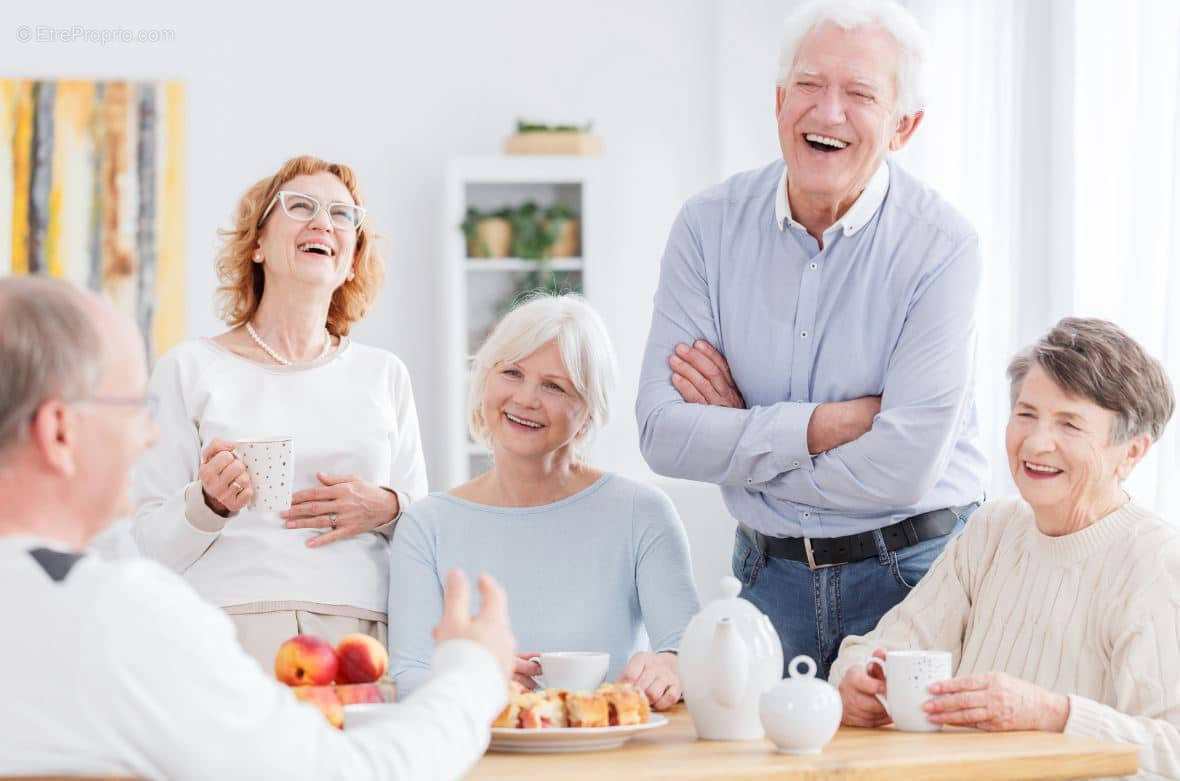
819	552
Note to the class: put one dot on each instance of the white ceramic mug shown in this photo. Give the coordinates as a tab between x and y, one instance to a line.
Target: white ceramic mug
577	671
271	465
908	675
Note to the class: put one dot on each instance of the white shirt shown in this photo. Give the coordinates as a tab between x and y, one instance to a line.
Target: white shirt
120	669
351	412
858	214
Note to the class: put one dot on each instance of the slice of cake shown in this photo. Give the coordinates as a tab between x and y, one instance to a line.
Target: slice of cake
509	717
627	704
542	709
587	710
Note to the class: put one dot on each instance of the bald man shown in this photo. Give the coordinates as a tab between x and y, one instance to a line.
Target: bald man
118	668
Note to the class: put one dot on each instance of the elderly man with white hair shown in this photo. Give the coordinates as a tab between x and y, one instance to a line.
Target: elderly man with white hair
812	344
119	668
591	560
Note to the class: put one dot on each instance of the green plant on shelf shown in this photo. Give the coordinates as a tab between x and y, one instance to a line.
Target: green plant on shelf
524	126
535	230
470	228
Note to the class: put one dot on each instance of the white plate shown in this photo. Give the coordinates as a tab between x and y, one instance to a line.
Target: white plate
561	739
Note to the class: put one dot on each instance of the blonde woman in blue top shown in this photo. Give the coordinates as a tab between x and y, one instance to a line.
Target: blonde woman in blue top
591	561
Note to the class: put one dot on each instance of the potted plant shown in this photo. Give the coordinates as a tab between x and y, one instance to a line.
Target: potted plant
489	234
561	222
526	231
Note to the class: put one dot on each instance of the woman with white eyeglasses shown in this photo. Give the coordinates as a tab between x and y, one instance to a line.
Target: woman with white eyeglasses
297	270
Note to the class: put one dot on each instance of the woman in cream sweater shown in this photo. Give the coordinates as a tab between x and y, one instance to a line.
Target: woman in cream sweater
1060	608
297	270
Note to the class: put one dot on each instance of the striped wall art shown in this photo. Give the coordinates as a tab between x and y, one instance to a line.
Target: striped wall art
92	189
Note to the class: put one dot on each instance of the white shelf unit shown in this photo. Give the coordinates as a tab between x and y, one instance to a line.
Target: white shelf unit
475	289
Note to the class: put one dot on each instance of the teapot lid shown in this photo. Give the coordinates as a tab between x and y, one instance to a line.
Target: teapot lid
729	604
797	662
799	688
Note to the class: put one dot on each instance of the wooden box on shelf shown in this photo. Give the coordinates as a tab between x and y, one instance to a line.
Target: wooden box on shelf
554	142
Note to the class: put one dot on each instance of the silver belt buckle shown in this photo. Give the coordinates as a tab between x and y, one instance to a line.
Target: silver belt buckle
811	556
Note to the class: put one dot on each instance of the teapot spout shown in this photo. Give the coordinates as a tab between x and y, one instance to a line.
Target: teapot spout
731	664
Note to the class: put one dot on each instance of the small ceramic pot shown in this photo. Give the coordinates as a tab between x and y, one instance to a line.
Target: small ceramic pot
801	713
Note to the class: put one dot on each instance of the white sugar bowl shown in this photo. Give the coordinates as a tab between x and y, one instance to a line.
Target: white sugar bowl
801	713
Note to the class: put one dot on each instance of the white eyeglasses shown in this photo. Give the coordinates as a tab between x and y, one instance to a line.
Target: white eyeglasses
304	208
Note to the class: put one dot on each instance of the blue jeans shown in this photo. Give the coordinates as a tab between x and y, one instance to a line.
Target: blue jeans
814	610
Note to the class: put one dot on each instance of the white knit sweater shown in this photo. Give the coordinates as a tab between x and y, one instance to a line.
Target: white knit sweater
351	412
1094	615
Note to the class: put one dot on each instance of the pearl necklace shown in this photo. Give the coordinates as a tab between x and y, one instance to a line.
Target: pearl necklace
274	353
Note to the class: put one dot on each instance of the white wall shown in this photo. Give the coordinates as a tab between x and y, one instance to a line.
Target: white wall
394	89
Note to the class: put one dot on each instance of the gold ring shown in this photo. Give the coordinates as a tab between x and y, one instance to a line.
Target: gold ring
236	486
332	519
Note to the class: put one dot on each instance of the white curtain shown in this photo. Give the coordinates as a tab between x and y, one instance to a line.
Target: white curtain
972	147
1055	127
1127	195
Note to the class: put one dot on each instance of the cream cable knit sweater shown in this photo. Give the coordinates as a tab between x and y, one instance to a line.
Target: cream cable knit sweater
1094	615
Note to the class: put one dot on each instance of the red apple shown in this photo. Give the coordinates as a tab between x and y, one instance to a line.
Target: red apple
324	698
304	660
362	659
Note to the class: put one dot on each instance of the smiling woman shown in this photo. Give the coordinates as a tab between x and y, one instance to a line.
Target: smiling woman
1076	431
297	269
1059	608
591	561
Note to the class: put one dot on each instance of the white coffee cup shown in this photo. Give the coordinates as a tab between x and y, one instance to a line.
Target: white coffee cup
271	466
577	671
908	675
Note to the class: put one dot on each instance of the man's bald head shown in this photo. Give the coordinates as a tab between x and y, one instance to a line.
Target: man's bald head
50	347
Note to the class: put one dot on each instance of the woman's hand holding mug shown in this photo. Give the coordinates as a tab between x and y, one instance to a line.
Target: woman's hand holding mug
224	479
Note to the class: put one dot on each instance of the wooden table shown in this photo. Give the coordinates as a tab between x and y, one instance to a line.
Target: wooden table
673	752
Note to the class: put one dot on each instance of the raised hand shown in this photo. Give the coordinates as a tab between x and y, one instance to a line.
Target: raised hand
490	628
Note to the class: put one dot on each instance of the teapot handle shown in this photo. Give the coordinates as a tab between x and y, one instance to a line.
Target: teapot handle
731	664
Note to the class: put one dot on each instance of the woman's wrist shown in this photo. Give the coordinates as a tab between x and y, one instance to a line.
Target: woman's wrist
1056	713
214	505
395	504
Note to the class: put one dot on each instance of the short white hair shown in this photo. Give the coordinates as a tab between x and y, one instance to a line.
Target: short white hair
50	348
581	340
913	48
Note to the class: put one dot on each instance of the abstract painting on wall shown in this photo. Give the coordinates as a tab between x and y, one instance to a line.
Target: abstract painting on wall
92	189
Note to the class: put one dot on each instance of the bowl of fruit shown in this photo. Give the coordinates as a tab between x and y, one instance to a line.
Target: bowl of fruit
346	681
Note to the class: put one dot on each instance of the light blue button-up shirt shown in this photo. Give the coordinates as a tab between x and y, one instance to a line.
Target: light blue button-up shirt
887	308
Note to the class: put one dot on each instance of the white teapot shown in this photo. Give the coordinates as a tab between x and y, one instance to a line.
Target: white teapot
729	656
